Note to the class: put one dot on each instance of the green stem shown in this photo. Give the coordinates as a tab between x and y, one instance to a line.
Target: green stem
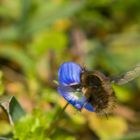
55	121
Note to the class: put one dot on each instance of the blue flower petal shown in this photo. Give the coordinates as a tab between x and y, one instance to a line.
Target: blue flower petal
69	73
71	97
89	107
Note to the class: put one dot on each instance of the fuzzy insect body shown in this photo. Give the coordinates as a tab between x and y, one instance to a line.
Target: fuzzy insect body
98	90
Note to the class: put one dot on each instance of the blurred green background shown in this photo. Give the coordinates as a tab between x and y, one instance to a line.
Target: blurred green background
37	36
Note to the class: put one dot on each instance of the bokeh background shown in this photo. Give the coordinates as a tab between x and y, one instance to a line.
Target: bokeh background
37	36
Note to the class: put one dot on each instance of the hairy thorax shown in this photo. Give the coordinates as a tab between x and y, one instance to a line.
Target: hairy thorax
98	91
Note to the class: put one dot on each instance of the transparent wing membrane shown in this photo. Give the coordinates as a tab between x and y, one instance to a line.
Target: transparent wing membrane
128	76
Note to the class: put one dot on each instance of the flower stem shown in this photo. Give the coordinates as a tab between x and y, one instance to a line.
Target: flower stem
55	121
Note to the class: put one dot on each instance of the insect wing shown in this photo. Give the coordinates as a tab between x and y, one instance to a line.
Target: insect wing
128	76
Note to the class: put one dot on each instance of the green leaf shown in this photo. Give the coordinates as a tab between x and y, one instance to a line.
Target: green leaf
59	11
10	33
123	94
133	136
18	56
33	126
46	40
12	108
1	84
5	128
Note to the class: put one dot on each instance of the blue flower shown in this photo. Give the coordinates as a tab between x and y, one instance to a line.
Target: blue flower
68	75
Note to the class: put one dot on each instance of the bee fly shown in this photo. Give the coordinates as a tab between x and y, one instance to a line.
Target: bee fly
97	88
98	91
91	90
